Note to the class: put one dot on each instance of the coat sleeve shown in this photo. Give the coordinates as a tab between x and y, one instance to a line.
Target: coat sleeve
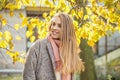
29	72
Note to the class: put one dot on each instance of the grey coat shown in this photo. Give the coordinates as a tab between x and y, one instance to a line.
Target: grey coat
40	62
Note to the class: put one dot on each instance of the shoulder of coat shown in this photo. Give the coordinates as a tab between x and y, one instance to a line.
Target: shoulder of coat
39	42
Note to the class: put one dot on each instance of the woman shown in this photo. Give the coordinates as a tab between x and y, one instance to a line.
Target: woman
57	56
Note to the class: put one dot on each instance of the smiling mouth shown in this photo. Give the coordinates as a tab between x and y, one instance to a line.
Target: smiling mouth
54	32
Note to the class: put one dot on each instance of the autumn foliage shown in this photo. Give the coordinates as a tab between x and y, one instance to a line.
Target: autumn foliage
93	19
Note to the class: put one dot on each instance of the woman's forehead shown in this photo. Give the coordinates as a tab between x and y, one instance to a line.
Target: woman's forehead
56	19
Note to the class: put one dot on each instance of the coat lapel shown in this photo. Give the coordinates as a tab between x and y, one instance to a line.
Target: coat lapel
50	51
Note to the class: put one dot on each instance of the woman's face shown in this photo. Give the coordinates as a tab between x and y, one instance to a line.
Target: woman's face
55	29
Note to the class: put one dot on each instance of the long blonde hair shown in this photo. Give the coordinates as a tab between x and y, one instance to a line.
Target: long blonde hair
69	49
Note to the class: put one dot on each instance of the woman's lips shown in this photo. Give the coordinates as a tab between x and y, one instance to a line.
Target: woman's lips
55	32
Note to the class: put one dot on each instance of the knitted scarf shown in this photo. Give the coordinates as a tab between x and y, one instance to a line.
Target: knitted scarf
55	45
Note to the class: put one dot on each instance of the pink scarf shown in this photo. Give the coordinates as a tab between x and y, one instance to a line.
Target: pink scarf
55	45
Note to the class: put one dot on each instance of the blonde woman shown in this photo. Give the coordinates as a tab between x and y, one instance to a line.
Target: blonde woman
57	56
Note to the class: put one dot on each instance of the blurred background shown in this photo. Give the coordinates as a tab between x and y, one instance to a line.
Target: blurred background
99	41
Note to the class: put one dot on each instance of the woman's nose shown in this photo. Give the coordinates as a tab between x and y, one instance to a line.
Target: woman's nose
55	27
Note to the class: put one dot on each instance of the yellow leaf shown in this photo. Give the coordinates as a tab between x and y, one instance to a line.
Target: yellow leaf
44	14
80	13
13	55
91	43
11	45
48	18
17	53
16	26
18	6
8	52
24	22
1	35
33	3
102	32
11	6
47	2
30	27
32	38
25	2
86	17
4	22
1	17
73	12
28	1
22	60
7	36
67	9
18	37
3	44
91	0
89	12
94	9
93	17
11	13
21	15
52	12
63	5
34	22
75	23
73	1
29	33
39	25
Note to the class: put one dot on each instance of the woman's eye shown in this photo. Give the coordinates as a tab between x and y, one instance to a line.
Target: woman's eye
59	25
53	24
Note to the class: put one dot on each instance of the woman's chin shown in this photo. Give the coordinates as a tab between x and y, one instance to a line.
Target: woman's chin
55	37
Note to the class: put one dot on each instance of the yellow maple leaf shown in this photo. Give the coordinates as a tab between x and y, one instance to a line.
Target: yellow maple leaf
52	13
29	33
4	44
16	26
22	60
44	14
34	22
86	17
1	35
89	12
4	22
93	17
91	42
47	2
11	45
63	5
21	15
11	13
1	17
67	9
7	36
33	3
73	1
18	37
24	22
73	12
18	5
32	38
80	13
75	23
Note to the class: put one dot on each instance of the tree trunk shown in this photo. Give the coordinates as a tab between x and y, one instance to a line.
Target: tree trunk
87	57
